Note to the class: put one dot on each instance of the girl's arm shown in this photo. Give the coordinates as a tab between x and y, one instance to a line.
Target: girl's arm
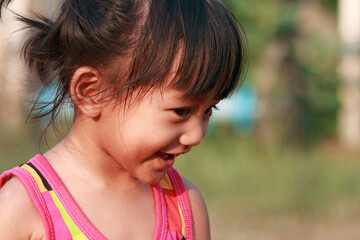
199	212
19	218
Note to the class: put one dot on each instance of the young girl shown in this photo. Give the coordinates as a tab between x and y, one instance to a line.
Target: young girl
143	76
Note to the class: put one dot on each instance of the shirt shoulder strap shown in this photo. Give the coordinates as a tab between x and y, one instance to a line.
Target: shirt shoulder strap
23	173
175	192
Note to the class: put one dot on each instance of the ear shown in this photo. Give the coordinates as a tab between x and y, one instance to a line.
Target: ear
85	89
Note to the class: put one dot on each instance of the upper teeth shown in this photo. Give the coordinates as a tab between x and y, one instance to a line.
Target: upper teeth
165	156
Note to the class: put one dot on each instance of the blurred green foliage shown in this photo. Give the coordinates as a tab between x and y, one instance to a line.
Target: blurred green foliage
330	4
236	172
307	82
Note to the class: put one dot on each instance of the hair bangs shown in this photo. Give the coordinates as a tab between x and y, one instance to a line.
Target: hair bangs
213	53
200	39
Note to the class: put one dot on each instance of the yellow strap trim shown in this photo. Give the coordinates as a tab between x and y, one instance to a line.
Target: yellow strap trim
73	228
182	221
36	177
80	237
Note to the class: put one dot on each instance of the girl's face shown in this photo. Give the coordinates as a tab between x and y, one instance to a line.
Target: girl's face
145	137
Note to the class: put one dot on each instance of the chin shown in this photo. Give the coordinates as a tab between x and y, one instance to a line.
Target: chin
154	179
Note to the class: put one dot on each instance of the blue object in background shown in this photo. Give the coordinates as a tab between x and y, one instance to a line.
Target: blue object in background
239	111
45	98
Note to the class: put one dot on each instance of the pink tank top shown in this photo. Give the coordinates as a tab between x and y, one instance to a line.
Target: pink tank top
64	220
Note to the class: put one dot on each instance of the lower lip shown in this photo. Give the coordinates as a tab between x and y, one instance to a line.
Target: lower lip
165	164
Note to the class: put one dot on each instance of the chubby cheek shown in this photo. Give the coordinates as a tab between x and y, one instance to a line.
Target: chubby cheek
148	137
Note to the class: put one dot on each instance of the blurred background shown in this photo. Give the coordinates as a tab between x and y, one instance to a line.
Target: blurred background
282	156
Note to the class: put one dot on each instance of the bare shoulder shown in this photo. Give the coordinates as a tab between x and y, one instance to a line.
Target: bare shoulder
199	212
18	216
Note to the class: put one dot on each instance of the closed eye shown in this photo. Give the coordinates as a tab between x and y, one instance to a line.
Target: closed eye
182	112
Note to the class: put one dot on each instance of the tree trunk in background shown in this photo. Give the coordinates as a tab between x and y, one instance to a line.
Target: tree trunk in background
266	79
349	71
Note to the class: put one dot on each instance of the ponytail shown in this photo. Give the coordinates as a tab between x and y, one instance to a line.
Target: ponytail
85	32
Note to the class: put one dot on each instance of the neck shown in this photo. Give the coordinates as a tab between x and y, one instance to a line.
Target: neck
78	154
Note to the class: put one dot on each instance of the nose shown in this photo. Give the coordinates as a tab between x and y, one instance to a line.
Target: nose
194	133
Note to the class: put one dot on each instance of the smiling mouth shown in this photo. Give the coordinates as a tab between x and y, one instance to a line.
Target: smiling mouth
166	156
166	160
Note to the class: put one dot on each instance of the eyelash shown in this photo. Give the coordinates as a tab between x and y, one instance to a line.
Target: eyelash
184	112
209	111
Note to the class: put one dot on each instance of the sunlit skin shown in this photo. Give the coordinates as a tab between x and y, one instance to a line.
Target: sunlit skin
144	140
114	152
128	148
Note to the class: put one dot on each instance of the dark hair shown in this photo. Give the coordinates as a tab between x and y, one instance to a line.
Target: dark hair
134	43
